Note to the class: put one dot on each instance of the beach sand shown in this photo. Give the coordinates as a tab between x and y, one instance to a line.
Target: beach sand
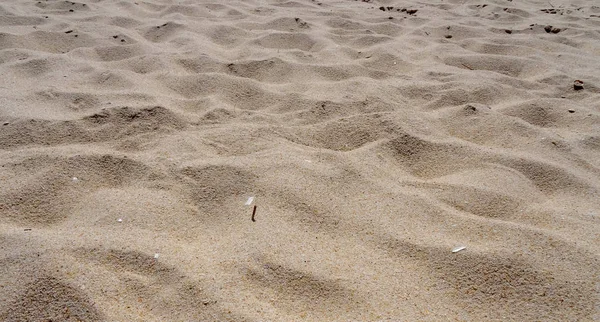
376	137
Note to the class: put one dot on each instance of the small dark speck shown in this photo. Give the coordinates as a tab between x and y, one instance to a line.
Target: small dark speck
68	31
27	229
448	36
391	18
5	123
508	31
76	35
71	10
122	40
571	111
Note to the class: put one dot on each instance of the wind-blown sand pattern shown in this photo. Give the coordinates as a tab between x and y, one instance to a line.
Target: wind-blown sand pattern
376	136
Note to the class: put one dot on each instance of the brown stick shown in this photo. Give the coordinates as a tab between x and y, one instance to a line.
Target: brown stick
254	213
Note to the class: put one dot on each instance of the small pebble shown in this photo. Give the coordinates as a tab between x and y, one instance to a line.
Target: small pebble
571	111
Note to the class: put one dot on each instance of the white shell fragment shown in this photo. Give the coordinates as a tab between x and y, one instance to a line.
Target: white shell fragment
458	249
120	220
75	179
156	255
249	202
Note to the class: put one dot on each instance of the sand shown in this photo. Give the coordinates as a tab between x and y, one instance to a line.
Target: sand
375	136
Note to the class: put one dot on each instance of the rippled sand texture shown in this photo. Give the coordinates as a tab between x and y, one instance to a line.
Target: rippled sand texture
376	136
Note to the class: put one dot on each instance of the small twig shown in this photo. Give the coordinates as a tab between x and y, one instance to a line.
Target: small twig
551	4
254	213
469	67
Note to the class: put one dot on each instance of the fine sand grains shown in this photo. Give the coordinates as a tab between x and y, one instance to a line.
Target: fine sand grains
375	137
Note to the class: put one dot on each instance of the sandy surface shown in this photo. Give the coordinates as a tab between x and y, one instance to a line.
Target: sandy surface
374	140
